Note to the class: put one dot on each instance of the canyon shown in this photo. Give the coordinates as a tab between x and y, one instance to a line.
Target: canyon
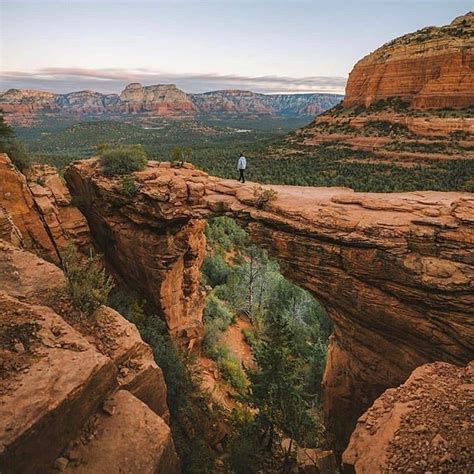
394	271
26	107
410	100
73	390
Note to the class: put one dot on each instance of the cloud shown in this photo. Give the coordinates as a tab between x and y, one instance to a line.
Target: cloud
113	80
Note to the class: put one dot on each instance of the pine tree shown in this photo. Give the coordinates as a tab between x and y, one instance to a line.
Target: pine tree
277	390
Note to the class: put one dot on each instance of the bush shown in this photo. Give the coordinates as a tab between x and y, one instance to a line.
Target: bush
233	373
217	318
123	160
127	186
86	280
215	269
12	147
263	196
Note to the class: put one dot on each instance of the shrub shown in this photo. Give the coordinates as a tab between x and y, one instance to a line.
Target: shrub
86	280
216	310
263	196
215	269
127	186
123	160
250	337
12	147
217	318
233	373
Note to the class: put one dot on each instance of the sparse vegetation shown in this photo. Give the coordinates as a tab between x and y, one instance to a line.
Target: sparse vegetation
12	147
263	196
123	160
87	282
127	186
24	334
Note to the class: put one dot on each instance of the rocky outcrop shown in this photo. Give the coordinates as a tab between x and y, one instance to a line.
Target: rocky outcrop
237	102
40	207
57	372
394	271
431	68
163	100
126	418
424	425
398	100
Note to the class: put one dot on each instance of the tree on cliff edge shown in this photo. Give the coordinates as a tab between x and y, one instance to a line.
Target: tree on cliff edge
11	146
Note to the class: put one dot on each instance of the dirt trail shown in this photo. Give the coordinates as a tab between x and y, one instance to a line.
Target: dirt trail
234	339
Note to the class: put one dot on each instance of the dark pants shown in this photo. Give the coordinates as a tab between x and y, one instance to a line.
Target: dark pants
242	176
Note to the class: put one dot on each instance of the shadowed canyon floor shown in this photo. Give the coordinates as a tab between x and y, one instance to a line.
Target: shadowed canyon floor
394	271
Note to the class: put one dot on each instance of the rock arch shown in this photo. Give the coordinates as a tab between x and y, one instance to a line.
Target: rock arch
394	271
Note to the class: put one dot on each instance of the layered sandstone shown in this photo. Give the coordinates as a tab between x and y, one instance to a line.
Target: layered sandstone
163	99
410	100
424	425
431	68
57	372
26	106
237	102
40	206
394	271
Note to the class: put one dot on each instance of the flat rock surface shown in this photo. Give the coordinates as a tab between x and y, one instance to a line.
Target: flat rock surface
125	437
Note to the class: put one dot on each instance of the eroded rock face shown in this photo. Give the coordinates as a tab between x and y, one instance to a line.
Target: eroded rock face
39	206
394	271
431	68
58	368
395	107
424	424
162	100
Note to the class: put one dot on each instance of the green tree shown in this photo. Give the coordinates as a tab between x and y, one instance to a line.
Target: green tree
12	147
277	386
181	154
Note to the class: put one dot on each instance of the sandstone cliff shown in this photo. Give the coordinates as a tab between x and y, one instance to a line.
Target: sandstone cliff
394	271
26	106
73	390
411	99
424	425
162	99
431	68
40	207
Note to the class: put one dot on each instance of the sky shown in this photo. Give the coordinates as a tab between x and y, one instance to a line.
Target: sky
284	46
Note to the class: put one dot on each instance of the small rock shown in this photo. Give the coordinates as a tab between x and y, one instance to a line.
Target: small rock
420	428
438	440
60	464
74	455
124	371
108	407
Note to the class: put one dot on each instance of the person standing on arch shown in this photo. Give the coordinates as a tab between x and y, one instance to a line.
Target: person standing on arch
241	165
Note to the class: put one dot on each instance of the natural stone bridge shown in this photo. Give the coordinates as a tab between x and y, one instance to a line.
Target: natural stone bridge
395	272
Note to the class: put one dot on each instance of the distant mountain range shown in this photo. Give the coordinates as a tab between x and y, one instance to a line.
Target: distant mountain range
163	100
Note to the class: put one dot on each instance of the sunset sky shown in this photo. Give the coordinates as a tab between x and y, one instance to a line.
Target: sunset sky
264	46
